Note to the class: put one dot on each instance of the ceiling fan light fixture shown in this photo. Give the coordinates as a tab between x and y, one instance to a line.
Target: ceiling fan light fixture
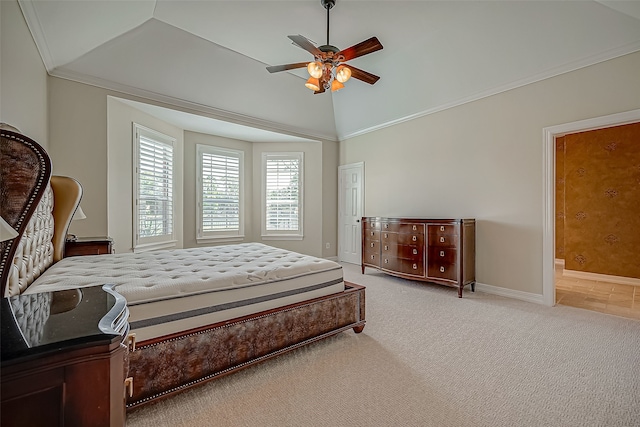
336	85
315	69
343	73
313	84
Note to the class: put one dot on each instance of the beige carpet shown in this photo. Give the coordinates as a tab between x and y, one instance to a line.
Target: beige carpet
427	358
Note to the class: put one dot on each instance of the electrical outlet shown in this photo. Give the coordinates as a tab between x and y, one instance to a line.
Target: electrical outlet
327	245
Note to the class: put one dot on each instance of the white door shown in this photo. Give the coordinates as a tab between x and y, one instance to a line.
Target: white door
350	210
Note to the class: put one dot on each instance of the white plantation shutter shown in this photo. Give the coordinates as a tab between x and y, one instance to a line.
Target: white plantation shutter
282	194
220	192
154	210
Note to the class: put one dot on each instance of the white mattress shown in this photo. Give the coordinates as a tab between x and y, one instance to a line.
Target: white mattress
176	290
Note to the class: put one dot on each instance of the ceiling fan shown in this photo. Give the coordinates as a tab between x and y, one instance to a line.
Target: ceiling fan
328	71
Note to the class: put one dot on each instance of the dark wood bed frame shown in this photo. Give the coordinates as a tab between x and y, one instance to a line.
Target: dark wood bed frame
164	366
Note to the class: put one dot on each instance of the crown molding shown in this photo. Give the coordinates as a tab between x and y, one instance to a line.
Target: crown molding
37	33
192	107
553	72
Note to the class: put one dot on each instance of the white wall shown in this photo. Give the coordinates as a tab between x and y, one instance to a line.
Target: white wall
483	160
191	139
313	196
90	138
23	77
120	119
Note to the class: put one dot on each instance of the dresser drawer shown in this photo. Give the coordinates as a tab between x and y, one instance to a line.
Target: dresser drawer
438	229
413	253
389	249
411	239
415	268
446	271
389	226
388	237
389	263
371	234
370	224
443	240
443	255
371	258
410	228
371	245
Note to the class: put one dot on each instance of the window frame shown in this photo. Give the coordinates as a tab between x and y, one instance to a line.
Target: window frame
283	234
164	241
227	235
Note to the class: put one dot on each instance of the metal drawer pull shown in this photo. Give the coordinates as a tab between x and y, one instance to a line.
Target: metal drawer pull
415	266
386	226
442	240
373	257
441	253
372	233
386	247
386	235
415	228
131	341
386	261
415	252
414	238
373	245
442	228
441	269
128	385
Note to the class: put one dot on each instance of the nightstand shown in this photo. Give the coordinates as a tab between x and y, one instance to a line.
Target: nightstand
88	246
64	358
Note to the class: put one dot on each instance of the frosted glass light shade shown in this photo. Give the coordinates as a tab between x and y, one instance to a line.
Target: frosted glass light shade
315	69
313	84
343	74
6	231
336	85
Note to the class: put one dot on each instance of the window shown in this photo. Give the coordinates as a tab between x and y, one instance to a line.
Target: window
153	224
282	195
220	193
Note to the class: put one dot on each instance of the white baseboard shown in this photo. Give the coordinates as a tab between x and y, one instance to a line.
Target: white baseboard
510	293
559	262
620	280
332	258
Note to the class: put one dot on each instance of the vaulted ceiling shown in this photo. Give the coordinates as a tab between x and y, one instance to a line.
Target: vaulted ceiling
210	56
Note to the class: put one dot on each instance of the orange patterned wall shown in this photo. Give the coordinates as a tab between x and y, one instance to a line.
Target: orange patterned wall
601	172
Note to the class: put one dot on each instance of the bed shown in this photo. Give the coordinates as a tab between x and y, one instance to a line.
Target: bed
196	314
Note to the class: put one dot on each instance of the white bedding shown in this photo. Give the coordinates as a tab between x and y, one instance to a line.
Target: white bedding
176	290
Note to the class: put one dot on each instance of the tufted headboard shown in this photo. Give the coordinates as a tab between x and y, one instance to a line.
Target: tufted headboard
29	204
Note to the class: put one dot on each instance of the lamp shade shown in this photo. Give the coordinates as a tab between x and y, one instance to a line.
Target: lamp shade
336	85
343	73
78	214
313	84
6	231
315	69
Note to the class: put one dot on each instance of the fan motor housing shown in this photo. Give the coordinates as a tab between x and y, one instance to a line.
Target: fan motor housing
328	4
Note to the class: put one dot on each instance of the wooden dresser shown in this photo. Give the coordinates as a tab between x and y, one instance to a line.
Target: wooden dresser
433	250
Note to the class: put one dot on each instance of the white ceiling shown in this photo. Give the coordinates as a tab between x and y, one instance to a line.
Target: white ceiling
210	56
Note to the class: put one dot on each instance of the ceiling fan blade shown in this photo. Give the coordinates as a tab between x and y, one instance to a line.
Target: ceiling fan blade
363	48
363	75
304	43
276	68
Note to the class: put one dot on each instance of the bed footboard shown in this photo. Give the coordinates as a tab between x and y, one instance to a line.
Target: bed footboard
164	366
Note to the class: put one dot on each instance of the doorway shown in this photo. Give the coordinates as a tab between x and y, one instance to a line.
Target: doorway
549	170
350	211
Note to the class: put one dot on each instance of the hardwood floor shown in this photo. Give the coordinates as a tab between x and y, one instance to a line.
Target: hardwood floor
605	297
